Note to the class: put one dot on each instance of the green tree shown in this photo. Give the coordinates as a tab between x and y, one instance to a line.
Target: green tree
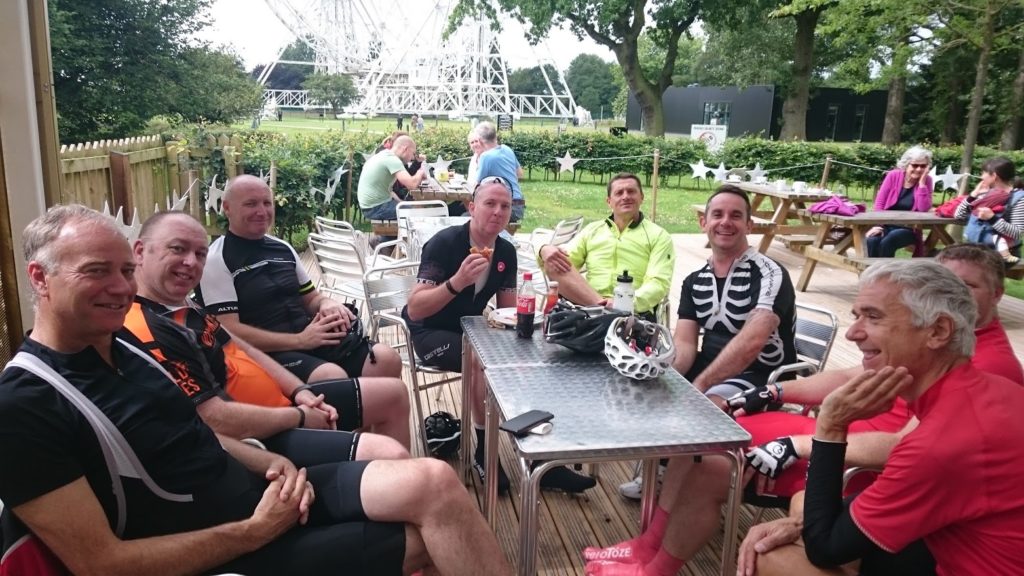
592	83
289	76
879	39
214	88
734	53
531	80
616	24
338	90
118	63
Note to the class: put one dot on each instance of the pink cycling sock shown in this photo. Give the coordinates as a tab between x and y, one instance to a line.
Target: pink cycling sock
639	550
663	564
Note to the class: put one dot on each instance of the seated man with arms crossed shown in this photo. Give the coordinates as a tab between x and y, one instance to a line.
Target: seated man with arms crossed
704	488
256	286
456	280
213	368
191	506
623	241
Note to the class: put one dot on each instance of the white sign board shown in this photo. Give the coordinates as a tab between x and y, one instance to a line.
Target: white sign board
712	135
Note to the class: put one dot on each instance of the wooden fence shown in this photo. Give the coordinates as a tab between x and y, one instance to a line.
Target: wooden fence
142	173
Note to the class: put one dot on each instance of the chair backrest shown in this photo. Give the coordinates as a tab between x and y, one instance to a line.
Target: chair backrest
340	260
417	208
330	226
387	289
566	230
816	331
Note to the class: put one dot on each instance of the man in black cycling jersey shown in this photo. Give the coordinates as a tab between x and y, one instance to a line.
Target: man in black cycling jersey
256	286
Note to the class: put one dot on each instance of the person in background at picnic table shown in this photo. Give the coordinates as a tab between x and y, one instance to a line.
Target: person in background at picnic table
476	147
993	210
907	188
499	160
376	197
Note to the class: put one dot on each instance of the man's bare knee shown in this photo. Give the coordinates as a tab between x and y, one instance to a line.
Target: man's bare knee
378	447
326	371
386	362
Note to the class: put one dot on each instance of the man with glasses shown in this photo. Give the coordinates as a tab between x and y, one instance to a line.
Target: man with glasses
499	160
625	240
461	268
377	200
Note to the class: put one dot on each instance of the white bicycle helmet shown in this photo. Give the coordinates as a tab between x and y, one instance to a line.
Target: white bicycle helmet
639	349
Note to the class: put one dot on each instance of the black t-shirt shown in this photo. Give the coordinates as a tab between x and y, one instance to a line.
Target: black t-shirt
46	443
721	307
905	201
440	260
262	281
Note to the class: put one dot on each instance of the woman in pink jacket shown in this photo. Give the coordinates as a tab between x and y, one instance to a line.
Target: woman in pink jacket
908	187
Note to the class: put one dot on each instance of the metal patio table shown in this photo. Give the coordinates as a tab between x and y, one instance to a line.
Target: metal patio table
600	416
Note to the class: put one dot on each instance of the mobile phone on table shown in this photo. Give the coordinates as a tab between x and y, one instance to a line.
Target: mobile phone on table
522	424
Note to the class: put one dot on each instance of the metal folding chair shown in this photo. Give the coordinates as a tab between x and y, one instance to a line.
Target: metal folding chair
387	290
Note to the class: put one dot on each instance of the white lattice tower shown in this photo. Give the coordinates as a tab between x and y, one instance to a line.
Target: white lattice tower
404	64
346	35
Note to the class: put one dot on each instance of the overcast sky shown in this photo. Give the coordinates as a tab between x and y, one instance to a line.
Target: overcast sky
256	34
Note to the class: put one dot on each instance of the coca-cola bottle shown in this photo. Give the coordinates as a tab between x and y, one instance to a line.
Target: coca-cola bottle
526	303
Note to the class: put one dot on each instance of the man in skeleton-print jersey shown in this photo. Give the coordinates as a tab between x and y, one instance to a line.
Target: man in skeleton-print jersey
742	300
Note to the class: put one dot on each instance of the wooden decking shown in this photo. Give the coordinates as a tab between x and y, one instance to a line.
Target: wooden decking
601	516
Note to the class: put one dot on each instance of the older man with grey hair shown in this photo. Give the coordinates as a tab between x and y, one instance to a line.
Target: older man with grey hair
955	487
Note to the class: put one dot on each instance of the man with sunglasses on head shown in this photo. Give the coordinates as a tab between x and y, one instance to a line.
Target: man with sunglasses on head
499	160
461	268
625	240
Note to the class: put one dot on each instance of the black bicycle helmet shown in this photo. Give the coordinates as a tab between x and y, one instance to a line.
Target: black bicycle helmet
579	329
444	434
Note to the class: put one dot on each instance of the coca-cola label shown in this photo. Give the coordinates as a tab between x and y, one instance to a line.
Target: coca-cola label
525	304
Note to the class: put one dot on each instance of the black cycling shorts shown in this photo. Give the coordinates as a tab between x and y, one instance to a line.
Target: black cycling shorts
306	447
441	348
302	363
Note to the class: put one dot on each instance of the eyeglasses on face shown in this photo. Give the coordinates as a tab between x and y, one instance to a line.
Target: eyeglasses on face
919	165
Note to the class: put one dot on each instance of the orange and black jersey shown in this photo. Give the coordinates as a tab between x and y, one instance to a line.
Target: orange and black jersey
178	349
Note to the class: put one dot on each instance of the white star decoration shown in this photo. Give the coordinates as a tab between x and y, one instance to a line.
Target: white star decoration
131	232
567	163
949	179
366	156
440	166
757	173
213	197
332	183
720	173
934	173
699	169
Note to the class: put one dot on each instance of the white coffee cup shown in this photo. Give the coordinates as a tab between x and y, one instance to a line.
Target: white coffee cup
781	186
761	180
799	187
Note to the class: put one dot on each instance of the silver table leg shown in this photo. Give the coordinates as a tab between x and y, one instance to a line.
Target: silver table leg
732	512
491	461
529	500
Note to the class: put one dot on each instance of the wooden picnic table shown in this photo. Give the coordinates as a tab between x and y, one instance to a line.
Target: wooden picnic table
783	209
933	225
432	189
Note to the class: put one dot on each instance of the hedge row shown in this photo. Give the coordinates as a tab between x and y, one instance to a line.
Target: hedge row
309	160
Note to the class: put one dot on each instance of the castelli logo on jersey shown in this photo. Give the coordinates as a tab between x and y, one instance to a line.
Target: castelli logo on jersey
501	266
